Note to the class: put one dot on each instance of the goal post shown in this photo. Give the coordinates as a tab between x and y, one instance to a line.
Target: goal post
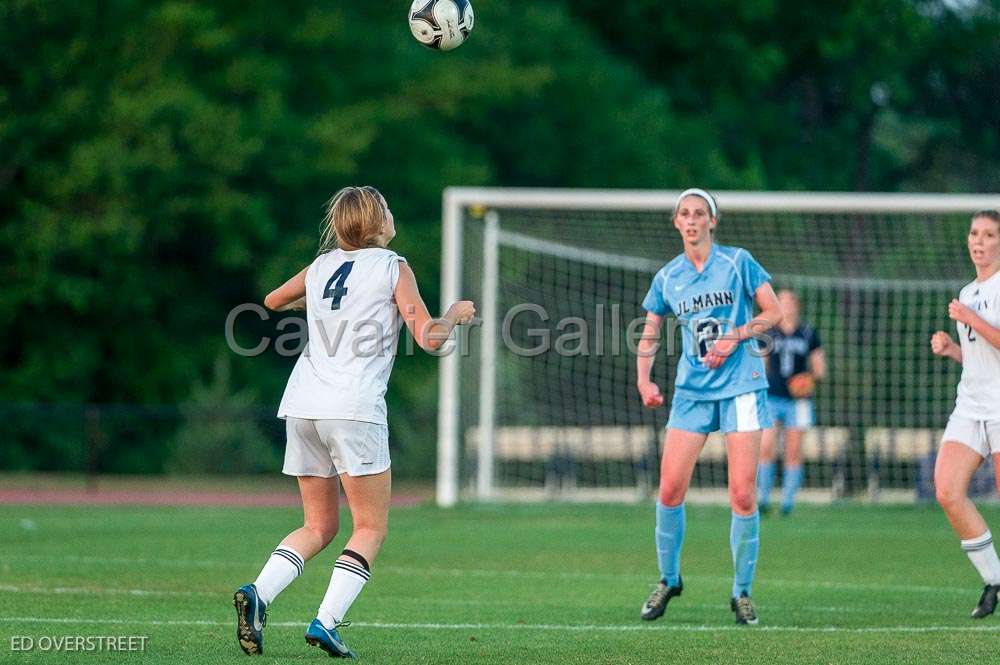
538	402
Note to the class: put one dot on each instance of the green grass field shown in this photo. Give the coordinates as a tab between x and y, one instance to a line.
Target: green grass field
499	584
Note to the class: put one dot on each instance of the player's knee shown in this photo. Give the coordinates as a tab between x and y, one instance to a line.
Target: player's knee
743	499
374	534
948	495
671	496
324	532
374	528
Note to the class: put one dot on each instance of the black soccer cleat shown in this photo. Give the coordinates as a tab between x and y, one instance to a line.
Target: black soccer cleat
656	604
742	607
987	602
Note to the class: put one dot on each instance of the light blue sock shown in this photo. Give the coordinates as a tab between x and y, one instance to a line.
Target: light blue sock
765	481
744	540
791	485
670	524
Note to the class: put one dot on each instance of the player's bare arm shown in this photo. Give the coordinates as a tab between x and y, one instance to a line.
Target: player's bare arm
290	295
770	316
817	364
965	314
429	333
803	384
648	345
943	345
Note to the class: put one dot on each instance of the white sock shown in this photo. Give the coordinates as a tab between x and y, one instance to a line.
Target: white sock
983	556
350	572
284	566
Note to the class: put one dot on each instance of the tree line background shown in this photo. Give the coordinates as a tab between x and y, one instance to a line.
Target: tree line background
162	162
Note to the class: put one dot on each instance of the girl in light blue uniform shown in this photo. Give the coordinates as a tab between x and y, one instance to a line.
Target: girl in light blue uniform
721	385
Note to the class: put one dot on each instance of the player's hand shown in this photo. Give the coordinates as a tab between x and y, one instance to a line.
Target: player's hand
942	343
461	312
722	349
651	395
801	385
961	313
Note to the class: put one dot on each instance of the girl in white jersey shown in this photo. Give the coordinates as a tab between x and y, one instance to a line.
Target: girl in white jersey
973	431
356	294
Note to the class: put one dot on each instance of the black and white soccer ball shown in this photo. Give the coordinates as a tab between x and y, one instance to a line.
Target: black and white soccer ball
441	24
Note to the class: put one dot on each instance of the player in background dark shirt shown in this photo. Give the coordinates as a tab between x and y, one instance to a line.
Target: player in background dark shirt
794	365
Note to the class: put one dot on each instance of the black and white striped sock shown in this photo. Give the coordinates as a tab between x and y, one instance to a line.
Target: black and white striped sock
350	573
983	556
284	565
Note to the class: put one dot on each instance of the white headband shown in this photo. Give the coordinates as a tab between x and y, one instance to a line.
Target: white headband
701	193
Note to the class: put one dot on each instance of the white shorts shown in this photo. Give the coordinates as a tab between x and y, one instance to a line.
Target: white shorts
983	436
328	448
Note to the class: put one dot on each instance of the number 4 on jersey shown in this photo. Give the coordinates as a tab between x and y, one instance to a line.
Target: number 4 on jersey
335	287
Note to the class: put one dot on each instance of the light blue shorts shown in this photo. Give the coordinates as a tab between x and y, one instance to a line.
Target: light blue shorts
793	413
744	413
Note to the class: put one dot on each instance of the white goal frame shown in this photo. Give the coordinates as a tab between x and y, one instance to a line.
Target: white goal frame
456	199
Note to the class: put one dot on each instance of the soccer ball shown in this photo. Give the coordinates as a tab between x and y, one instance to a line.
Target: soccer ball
441	24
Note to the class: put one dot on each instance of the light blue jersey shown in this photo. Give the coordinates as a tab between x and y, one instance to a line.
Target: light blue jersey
709	304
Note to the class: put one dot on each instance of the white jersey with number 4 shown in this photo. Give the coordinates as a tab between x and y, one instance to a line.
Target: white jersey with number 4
354	325
979	389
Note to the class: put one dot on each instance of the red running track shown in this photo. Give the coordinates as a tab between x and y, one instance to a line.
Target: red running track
161	497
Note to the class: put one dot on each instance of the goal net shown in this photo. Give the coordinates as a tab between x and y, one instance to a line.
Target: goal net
539	401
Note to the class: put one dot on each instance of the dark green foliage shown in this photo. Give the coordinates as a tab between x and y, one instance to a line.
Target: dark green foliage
880	95
218	433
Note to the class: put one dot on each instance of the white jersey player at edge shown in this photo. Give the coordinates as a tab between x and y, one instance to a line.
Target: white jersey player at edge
973	430
356	293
